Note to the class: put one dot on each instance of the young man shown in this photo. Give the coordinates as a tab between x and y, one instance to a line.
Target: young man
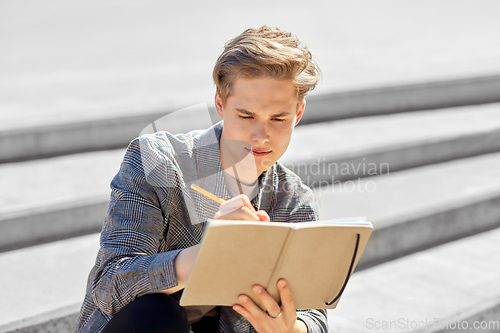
155	220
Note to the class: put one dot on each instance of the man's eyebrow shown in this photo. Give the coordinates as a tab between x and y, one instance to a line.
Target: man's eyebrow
245	111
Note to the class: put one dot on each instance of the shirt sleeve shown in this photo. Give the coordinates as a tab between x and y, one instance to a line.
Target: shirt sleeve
129	264
315	320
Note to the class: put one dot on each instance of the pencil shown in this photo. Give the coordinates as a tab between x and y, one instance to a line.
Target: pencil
208	194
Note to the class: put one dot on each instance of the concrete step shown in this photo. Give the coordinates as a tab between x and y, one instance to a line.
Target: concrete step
451	288
344	150
27	139
59	205
419	208
55	198
43	287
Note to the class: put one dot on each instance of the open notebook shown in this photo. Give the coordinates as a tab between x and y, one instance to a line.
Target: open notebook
316	258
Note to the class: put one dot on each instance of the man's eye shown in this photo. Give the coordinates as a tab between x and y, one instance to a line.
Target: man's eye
245	117
279	119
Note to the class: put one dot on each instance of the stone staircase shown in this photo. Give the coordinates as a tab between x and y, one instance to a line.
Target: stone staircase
428	181
419	158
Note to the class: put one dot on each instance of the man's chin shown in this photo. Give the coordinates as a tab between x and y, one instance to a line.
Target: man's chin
264	164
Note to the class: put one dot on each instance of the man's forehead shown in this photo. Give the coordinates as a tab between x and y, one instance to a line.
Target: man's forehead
263	91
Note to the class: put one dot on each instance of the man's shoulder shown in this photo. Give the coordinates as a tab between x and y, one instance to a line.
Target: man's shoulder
172	144
165	158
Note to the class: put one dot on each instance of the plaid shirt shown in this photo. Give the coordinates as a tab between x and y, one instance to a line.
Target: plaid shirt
153	214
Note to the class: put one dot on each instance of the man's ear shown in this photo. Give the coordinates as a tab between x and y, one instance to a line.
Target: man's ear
218	105
300	112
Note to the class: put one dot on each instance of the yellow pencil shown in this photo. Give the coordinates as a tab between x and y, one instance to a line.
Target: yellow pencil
208	194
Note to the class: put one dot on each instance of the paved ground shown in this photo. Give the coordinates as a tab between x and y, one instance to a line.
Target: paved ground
70	60
426	291
62	282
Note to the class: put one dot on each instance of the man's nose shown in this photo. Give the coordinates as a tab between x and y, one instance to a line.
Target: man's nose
261	133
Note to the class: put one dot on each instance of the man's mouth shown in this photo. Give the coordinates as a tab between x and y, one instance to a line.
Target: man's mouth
259	152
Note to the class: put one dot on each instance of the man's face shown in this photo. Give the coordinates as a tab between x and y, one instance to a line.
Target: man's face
259	117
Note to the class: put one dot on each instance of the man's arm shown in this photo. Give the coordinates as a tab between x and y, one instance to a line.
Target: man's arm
238	208
183	264
128	263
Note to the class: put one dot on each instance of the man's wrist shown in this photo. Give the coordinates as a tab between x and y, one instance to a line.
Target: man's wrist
300	326
184	263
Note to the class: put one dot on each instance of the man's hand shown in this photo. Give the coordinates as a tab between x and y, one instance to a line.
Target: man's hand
277	319
240	208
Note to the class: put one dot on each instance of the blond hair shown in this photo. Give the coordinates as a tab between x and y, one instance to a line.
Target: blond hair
266	51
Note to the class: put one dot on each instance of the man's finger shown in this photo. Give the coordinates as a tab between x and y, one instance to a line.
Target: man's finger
239	208
236	203
273	308
243	213
248	309
246	202
263	216
250	214
287	304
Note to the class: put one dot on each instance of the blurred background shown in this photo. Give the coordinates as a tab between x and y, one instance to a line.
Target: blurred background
403	128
